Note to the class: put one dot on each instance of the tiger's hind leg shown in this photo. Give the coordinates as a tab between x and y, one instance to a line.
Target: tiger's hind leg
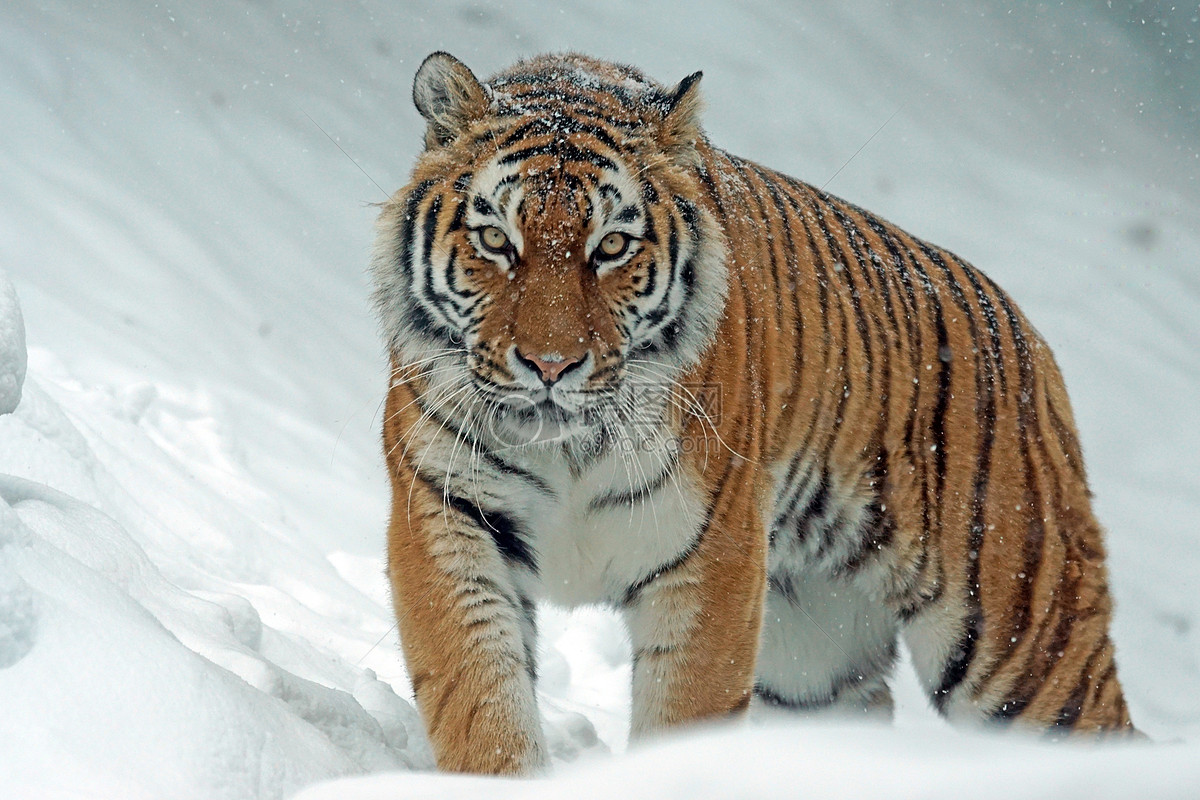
826	647
1018	633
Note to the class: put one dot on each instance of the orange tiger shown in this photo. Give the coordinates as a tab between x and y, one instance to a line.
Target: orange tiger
772	429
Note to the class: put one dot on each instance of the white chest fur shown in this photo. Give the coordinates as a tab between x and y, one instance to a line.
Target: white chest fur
610	524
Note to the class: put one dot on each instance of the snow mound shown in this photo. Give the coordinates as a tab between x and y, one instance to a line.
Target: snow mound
12	347
122	678
828	761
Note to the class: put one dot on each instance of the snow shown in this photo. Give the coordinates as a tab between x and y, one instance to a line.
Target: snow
13	358
192	499
827	761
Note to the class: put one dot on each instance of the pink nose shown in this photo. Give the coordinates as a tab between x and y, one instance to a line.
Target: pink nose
551	369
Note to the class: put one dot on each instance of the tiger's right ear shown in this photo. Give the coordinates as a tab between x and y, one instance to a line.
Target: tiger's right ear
449	97
680	127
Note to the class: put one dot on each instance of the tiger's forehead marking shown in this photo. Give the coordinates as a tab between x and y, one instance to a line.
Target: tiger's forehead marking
561	177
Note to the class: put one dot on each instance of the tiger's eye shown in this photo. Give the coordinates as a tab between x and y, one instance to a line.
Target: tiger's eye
612	245
494	239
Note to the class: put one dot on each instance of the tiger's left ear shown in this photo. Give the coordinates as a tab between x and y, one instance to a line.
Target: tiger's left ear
680	128
449	97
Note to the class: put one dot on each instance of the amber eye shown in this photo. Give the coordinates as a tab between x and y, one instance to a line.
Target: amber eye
494	239
612	246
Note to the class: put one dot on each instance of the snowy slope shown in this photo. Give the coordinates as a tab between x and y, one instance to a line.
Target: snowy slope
191	496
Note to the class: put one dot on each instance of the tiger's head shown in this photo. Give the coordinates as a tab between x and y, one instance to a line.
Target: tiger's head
551	259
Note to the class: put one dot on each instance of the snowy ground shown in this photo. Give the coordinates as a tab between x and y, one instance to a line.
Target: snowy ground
191	496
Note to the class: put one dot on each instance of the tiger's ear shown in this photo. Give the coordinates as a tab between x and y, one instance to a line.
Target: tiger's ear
449	97
680	128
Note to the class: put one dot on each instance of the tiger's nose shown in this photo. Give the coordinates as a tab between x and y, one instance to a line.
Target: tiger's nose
550	367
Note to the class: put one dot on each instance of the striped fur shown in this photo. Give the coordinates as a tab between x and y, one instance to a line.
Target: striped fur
770	399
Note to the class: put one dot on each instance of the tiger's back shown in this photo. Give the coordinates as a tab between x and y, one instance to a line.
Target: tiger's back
774	430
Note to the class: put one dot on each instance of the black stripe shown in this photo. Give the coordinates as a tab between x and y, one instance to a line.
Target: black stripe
558	126
1072	708
838	257
432	296
766	236
860	317
626	497
483	207
556	96
529	612
651	280
794	385
912	322
931	512
822	280
408	224
626	215
686	273
876	531
503	529
822	283
451	276
1109	674
649	193
955	669
510	178
776	700
1035	534
562	150
795	486
663	308
633	592
1013	707
815	511
864	254
689	214
710	186
456	222
430	228
989	315
937	425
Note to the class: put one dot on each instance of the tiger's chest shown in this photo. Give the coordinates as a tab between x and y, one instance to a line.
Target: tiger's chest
606	526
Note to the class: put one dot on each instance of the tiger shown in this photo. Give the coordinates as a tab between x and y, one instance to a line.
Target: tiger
774	431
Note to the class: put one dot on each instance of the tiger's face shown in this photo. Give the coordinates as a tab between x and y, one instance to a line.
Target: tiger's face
553	267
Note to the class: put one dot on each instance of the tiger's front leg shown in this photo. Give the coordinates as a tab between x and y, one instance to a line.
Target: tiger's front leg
463	628
695	623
